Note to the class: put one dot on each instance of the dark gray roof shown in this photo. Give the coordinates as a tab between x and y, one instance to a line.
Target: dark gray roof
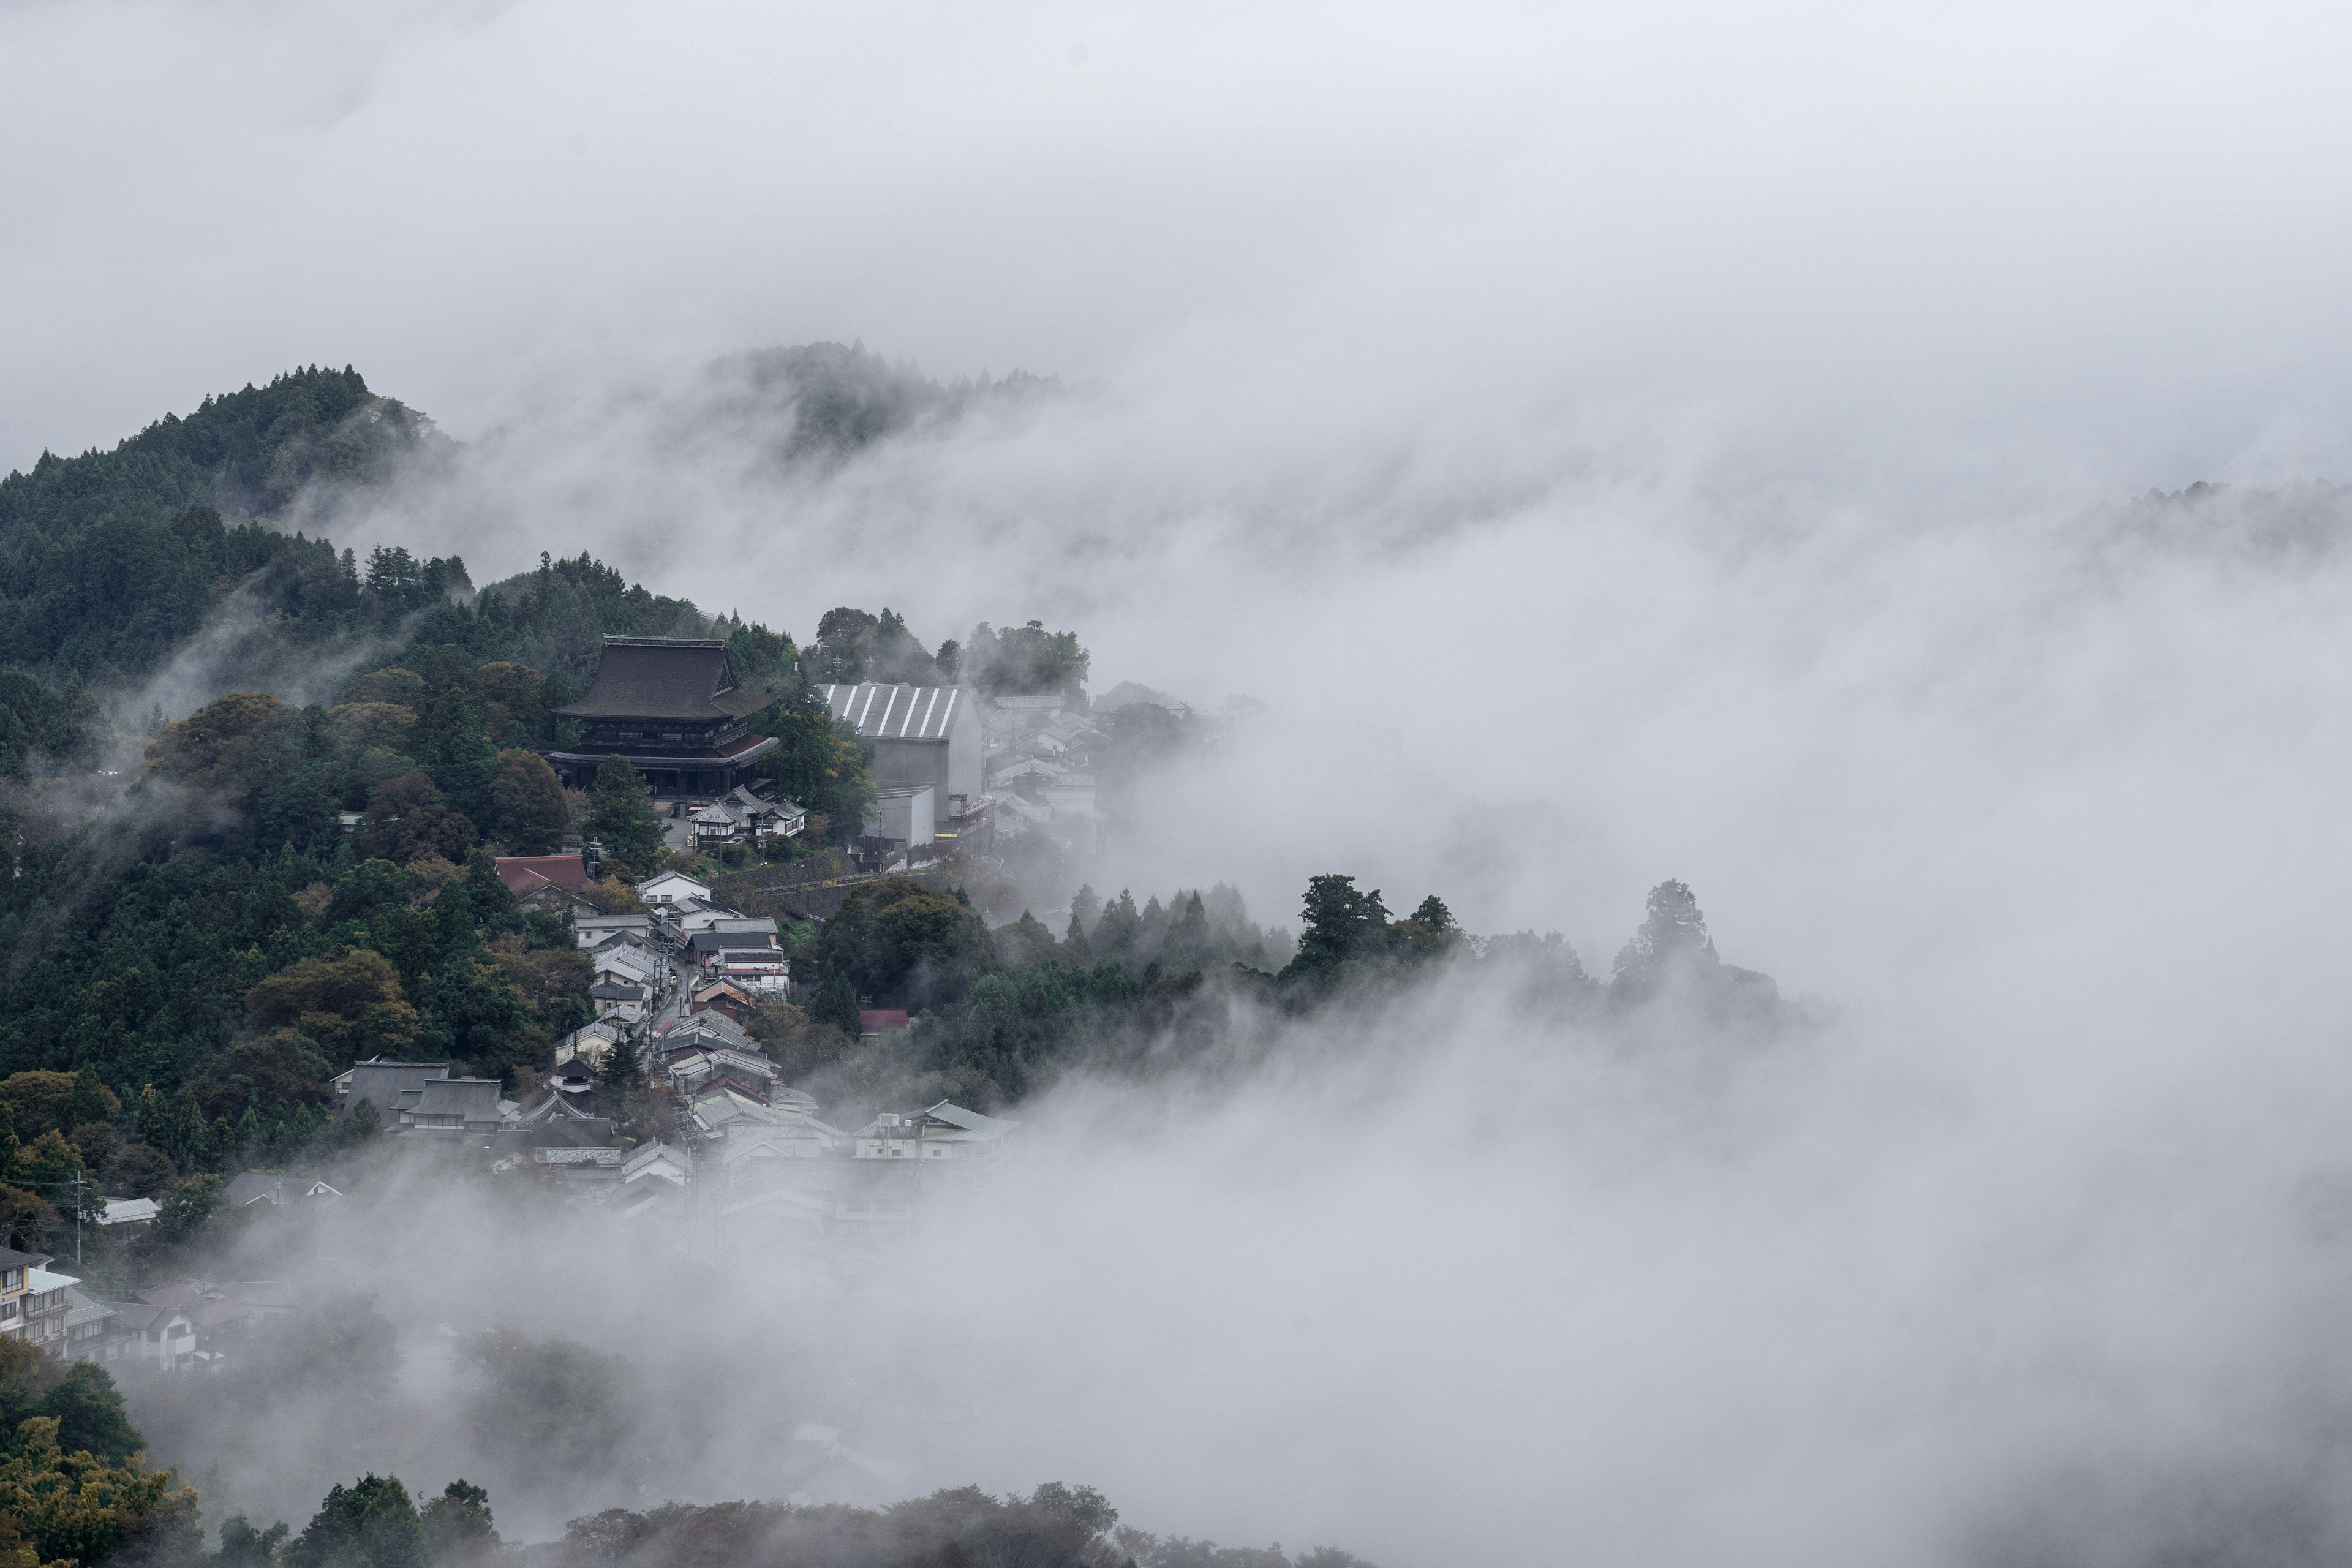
386	1084
138	1315
11	1259
895	712
680	1032
666	677
475	1098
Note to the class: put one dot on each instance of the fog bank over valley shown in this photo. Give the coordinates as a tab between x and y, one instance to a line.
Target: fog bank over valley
1532	785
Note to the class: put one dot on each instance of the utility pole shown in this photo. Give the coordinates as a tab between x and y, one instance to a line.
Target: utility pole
76	1187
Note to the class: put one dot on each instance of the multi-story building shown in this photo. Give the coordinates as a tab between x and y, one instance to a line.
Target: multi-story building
671	705
15	1269
45	1307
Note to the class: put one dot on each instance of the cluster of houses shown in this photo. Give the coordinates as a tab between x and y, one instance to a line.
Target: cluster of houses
170	1327
677	983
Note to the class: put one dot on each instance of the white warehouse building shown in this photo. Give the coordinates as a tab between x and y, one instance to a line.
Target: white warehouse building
923	736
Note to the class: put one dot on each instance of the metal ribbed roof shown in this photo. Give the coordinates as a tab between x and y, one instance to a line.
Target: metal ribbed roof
895	712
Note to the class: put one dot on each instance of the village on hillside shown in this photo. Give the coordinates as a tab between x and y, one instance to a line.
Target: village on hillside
751	1162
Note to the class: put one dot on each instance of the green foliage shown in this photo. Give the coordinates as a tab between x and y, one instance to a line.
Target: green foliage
242	1546
1672	945
185	1212
351	1004
371	1523
905	944
836	1003
853	646
1024	659
818	763
1340	924
71	1489
45	727
527	808
457	1525
1057	1526
340	1346
83	1507
410	817
88	1409
553	1407
109	560
622	819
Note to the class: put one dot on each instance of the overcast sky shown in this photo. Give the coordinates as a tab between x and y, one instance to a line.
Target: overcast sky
2108	237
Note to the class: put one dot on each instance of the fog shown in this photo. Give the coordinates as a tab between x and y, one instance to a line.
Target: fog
1618	447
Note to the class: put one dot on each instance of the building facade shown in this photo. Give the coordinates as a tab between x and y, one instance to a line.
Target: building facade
671	705
922	735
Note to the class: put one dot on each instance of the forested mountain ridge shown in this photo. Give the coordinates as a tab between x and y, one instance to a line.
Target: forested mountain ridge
109	559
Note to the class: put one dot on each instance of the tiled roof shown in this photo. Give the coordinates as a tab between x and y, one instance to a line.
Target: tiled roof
691	681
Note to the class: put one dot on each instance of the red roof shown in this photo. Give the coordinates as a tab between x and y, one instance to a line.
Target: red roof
522	873
870	1019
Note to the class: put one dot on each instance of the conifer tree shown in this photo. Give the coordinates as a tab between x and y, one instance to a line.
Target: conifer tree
622	819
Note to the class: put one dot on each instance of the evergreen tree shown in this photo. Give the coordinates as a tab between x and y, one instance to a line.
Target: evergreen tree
622	819
371	1523
622	1067
1115	936
457	1525
88	1409
1672	945
835	1003
462	758
1341	923
527	810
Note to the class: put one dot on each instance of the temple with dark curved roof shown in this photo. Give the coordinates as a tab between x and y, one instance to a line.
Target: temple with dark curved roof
671	705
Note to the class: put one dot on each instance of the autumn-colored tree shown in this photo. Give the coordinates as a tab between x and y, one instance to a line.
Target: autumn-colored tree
351	1006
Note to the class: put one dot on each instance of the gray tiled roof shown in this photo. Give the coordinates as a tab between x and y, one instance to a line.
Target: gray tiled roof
665	678
390	1086
475	1098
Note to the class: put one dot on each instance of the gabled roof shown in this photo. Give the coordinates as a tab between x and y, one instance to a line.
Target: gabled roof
39	1279
679	1033
967	1126
255	1186
896	712
82	1310
475	1098
522	873
688	680
744	1142
560	1133
384	1084
135	1316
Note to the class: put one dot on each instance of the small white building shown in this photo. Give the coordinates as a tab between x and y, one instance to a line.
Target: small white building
163	1337
670	888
